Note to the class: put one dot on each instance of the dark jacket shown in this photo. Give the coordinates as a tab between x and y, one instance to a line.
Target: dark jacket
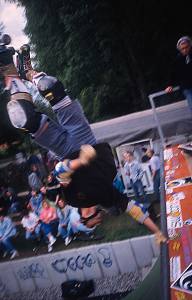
182	72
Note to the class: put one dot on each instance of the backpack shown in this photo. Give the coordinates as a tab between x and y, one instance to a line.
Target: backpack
75	289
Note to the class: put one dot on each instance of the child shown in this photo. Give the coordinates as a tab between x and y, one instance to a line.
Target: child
30	222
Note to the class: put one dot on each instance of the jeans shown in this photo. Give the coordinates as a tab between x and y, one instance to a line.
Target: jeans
73	120
65	231
80	227
7	245
138	189
49	228
33	235
67	137
188	94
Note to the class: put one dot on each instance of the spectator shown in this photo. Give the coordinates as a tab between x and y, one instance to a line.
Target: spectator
4	205
38	162
30	222
53	188
35	202
182	69
134	171
34	180
76	224
48	217
7	232
155	170
12	200
144	157
64	228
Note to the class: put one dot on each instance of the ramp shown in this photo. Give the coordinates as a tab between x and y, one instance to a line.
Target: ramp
149	288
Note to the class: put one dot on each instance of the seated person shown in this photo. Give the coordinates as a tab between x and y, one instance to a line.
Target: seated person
4	205
12	201
35	202
53	188
7	232
30	222
49	221
76	224
34	179
46	196
63	213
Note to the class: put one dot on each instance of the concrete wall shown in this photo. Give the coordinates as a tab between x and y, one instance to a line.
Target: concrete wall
93	262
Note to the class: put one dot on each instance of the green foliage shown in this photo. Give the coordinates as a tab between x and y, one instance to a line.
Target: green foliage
110	54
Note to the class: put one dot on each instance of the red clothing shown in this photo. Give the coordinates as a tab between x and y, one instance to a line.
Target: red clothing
48	214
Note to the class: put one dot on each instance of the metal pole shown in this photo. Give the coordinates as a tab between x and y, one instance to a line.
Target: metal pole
164	254
160	131
152	102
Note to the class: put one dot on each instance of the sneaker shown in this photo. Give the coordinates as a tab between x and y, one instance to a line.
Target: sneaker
50	248
14	254
35	249
5	254
58	234
68	240
52	240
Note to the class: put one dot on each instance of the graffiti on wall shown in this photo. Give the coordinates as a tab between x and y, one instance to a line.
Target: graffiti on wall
106	257
34	270
73	263
80	262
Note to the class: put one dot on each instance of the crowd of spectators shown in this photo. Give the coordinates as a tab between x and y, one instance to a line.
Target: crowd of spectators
44	216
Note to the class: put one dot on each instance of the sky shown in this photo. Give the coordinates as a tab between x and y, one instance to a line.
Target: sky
13	18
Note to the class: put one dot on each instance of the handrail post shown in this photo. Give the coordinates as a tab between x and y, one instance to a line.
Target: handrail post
164	254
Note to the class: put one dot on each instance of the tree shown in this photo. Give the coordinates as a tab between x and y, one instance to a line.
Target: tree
111	54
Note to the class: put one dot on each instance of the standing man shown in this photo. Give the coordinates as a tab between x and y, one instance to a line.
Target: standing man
134	171
155	169
182	69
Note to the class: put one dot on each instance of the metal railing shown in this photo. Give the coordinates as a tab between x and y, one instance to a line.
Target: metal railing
164	255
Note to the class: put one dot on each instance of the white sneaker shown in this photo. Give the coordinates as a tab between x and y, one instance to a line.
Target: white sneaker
5	254
50	248
14	254
68	240
52	240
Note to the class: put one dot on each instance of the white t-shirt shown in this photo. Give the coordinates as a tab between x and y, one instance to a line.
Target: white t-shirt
30	221
155	163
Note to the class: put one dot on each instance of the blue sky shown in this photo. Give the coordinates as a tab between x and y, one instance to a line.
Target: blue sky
13	18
